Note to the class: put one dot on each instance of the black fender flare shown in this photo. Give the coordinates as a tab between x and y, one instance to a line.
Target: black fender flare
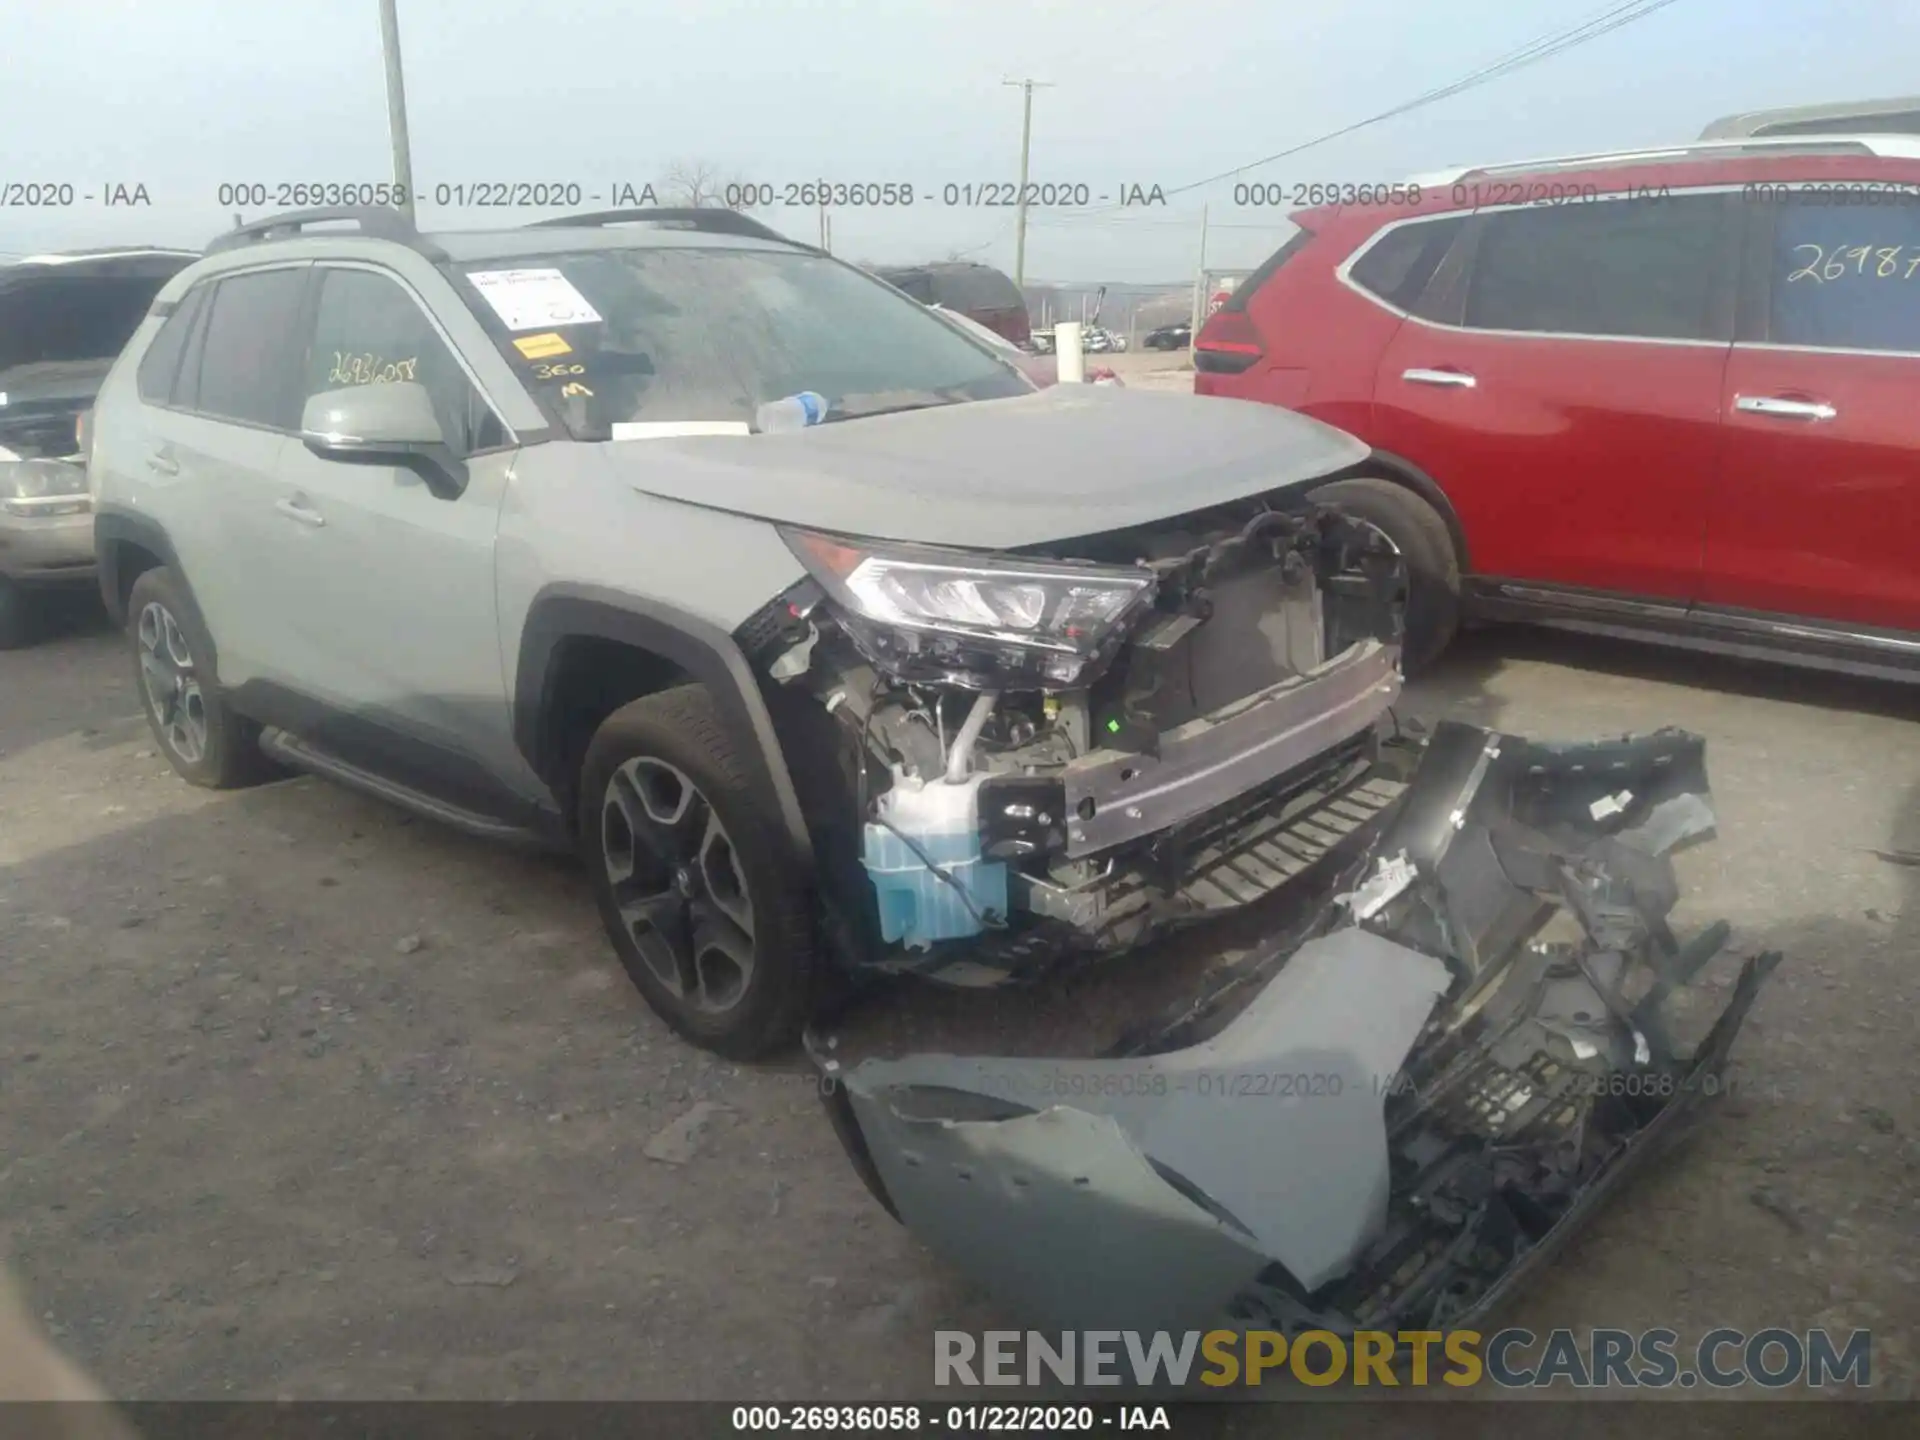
702	649
1403	471
110	528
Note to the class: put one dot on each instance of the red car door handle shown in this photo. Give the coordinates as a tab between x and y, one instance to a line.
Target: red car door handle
1458	378
1780	408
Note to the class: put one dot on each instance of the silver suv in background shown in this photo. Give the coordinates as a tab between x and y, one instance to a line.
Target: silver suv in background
63	321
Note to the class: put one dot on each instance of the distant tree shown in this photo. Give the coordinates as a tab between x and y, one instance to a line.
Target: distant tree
700	184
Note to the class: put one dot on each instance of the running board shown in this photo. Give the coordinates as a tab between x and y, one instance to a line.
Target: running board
300	754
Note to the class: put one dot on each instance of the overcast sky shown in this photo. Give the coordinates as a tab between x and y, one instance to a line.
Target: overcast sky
183	95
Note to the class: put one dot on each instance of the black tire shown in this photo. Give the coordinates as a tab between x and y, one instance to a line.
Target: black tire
675	875
1433	566
17	616
225	748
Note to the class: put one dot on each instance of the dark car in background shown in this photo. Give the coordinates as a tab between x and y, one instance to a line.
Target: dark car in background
979	292
63	321
1170	337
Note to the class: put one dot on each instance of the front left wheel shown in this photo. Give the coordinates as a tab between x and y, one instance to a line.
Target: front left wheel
705	908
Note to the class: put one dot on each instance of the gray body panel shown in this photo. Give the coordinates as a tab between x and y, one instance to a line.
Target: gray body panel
1063	462
1301	1178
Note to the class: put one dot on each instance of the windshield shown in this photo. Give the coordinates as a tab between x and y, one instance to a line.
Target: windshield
679	334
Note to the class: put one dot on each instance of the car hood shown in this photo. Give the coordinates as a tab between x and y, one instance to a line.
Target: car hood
1067	461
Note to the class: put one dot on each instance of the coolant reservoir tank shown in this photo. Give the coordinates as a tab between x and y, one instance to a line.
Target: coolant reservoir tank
941	819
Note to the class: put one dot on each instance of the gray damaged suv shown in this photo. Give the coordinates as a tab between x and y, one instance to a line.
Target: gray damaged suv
965	676
834	643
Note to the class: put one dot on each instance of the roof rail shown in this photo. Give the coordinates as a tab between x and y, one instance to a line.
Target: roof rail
1897	116
1892	147
105	252
710	218
377	222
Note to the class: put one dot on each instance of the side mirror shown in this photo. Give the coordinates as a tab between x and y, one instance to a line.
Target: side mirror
392	423
388	423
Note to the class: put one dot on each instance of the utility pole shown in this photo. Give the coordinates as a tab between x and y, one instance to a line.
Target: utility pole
1020	200
397	108
1199	279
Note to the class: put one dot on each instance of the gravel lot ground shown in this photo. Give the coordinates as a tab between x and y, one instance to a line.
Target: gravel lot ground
299	1097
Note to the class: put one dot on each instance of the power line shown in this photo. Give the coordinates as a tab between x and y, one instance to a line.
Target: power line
1543	47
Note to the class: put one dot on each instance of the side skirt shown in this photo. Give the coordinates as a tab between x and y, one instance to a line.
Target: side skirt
300	754
1748	634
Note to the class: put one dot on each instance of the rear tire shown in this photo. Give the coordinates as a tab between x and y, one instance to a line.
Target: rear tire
689	866
1433	566
202	738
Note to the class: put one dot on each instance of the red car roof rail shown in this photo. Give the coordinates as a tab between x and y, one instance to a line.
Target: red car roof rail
1891	147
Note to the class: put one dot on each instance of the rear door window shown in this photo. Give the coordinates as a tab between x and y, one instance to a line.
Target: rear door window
249	350
1845	276
369	330
1655	267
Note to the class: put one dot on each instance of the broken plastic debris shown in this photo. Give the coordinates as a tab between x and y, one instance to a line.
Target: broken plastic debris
1607	806
1389	878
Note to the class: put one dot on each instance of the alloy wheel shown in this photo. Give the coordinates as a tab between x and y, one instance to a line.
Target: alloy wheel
174	696
677	884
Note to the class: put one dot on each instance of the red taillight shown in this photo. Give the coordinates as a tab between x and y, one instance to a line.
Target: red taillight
1227	344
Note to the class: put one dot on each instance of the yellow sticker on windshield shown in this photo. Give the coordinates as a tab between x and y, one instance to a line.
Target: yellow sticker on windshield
539	347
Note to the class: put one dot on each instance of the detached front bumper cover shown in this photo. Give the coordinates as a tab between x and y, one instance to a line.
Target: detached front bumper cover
1433	1083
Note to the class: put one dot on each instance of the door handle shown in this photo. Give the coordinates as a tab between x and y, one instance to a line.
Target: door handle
1458	378
161	463
1782	409
294	510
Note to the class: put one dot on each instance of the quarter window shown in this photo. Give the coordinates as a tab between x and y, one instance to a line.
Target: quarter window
1398	265
1642	267
161	364
368	330
1845	276
243	365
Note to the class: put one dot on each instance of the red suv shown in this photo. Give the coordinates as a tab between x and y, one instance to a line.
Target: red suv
1671	394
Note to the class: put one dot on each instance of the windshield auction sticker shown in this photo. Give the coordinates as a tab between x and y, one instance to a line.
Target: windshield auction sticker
537	299
542	347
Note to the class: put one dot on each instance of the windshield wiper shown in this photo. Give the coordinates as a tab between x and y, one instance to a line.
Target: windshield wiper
890	402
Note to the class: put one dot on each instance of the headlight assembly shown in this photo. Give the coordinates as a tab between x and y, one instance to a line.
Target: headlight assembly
978	621
42	487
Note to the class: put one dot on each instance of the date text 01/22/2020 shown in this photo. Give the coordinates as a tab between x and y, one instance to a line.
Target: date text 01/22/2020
951	1419
739	195
1065	1083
